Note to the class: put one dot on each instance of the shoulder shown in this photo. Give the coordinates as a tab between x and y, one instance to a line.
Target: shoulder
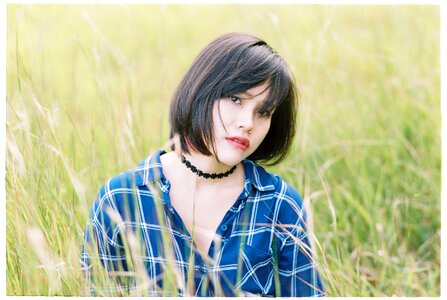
146	170
288	196
114	193
123	187
287	202
264	180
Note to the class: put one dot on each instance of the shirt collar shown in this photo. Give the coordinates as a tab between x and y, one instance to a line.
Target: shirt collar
258	177
150	169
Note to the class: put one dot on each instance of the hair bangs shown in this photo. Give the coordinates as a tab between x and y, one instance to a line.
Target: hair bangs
250	67
279	86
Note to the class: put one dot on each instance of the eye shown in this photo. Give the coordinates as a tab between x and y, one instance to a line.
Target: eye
264	113
234	99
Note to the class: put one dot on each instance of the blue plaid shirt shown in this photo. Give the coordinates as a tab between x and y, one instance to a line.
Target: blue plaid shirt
261	246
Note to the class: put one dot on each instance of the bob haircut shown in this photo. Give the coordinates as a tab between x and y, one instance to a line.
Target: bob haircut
231	64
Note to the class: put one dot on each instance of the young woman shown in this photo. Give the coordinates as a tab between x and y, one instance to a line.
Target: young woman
206	219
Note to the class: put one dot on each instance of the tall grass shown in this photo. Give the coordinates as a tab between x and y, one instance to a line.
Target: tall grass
88	91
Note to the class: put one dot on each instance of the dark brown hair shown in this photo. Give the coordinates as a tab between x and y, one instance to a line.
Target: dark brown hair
231	64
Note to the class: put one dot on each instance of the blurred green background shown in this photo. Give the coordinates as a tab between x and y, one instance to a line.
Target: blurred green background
88	91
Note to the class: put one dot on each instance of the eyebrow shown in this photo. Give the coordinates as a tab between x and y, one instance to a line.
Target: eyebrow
251	95
247	94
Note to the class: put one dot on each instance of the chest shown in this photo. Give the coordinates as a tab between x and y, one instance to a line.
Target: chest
203	210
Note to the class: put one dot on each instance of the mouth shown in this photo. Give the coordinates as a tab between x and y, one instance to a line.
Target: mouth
239	142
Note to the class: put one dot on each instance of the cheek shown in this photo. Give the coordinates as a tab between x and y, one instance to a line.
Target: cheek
264	128
217	118
223	115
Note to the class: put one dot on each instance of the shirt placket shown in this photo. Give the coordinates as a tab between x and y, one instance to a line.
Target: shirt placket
200	267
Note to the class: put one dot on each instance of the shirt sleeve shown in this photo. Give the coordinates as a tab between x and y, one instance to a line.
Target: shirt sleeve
297	269
103	256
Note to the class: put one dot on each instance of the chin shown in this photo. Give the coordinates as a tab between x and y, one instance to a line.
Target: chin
232	158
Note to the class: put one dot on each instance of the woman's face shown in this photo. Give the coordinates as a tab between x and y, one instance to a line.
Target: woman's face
239	124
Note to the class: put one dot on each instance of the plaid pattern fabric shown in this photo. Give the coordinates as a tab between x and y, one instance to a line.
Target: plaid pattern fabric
261	246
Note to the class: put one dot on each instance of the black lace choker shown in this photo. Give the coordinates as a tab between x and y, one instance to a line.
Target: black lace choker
200	173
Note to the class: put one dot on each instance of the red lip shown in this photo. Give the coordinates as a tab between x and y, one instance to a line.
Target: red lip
239	142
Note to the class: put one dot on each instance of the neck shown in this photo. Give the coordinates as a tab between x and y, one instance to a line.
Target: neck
176	171
207	164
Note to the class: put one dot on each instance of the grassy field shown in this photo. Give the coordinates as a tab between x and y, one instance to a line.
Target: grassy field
88	90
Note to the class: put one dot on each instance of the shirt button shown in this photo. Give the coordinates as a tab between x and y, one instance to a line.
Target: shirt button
203	270
223	227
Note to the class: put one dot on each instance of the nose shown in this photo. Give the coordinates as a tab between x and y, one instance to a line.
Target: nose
246	120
